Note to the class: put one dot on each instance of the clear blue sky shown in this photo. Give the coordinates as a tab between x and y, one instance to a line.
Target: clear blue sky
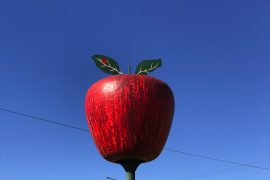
215	58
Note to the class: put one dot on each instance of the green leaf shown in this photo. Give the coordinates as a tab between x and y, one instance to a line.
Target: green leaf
147	66
106	64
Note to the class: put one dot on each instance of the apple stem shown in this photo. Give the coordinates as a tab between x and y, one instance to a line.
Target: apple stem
129	69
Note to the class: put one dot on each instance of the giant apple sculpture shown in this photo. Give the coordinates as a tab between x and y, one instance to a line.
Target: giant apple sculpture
129	115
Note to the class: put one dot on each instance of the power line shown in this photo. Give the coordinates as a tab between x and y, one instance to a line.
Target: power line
42	119
110	178
217	159
167	149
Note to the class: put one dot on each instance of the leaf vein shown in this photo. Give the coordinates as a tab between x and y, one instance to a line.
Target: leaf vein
109	66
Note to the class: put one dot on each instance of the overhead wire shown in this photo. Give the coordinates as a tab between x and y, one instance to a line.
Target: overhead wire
42	119
218	159
167	149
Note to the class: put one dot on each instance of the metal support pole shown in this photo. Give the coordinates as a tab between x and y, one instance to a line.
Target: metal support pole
130	167
130	175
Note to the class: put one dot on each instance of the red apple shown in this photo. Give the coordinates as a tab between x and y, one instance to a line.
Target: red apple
129	116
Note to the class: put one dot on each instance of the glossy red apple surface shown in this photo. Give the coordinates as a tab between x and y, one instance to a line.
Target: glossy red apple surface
129	116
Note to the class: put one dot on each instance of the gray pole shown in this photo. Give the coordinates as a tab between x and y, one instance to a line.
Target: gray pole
130	175
130	167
